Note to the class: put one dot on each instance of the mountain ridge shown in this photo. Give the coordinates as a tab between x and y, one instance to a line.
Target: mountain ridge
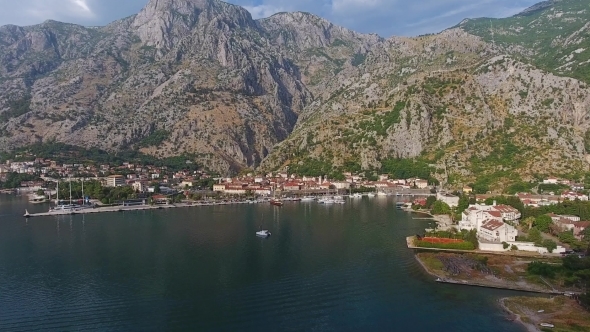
202	77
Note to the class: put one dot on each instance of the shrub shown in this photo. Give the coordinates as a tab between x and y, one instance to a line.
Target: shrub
505	245
541	269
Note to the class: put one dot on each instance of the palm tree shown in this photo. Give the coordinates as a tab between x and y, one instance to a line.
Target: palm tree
529	221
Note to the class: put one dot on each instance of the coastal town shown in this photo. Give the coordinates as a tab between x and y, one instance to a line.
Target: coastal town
506	232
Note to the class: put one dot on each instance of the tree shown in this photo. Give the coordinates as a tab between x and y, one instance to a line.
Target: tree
529	221
430	201
440	208
543	223
550	245
463	203
535	236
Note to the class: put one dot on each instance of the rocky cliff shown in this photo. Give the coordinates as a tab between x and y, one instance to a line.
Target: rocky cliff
202	77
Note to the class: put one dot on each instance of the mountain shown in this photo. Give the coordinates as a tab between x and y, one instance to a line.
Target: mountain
552	35
199	75
475	109
487	102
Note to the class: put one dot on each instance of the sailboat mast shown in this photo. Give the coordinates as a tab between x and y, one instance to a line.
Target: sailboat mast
70	191
83	201
57	198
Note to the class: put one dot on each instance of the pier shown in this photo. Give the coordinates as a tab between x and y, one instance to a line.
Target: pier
121	208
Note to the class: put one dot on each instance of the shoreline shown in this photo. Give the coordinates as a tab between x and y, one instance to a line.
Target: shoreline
516	317
483	282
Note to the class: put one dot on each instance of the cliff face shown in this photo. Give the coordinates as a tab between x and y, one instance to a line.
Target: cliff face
201	71
202	77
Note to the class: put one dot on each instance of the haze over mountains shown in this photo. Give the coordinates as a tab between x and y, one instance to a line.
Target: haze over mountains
495	98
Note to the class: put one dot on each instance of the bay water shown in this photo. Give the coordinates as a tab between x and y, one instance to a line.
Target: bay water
325	268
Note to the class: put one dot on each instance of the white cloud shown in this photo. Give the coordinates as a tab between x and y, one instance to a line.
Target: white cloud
385	17
262	11
83	5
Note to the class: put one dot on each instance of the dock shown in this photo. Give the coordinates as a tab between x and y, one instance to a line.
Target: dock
121	208
99	210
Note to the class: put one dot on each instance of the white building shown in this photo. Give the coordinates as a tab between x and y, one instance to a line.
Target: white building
488	221
451	200
557	217
219	187
422	184
508	213
551	180
341	185
115	180
572	196
139	186
497	231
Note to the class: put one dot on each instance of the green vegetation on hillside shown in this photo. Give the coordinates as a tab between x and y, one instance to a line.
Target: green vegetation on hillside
13	180
539	32
400	168
155	139
68	154
16	108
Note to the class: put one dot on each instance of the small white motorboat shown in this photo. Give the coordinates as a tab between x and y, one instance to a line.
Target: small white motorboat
263	233
371	194
308	199
547	325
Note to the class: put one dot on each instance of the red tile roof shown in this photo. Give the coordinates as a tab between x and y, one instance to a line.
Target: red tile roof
496	214
492	225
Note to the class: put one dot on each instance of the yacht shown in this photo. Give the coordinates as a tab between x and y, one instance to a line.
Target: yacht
326	200
37	199
263	233
357	195
308	199
64	207
338	199
371	194
381	193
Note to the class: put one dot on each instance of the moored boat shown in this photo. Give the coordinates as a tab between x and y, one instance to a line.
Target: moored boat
276	202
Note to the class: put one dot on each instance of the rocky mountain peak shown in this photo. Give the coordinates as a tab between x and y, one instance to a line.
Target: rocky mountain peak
304	30
162	23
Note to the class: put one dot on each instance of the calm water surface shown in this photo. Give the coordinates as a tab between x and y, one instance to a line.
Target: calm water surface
325	268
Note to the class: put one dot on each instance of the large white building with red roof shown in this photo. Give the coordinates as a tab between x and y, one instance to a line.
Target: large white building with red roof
489	222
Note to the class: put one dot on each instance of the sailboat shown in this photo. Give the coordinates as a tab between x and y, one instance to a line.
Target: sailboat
64	207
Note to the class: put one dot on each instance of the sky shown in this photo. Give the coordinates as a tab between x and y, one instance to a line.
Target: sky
384	17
